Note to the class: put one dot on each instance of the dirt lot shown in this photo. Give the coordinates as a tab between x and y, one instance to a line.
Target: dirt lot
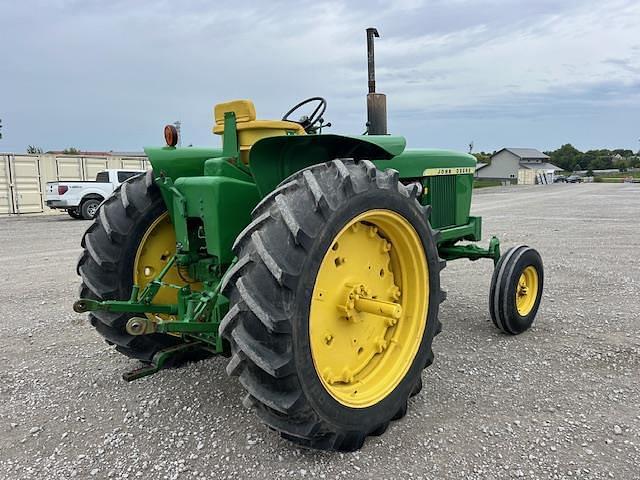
560	401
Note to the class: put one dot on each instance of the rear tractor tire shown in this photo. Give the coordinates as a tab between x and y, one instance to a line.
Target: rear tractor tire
131	239
334	304
516	289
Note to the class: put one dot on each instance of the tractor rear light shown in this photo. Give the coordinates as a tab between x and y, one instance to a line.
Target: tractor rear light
62	189
171	135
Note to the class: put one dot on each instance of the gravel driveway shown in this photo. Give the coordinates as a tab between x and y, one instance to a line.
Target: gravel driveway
560	401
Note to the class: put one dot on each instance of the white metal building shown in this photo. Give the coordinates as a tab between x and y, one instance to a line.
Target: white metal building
518	165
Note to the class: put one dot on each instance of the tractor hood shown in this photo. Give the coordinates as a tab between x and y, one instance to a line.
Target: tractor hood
275	158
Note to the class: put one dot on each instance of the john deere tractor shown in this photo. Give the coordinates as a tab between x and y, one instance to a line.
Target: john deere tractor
311	260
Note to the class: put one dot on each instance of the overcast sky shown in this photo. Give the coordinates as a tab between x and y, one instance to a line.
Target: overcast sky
107	75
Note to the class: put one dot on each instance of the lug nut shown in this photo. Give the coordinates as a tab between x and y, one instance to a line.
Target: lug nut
347	376
395	292
381	345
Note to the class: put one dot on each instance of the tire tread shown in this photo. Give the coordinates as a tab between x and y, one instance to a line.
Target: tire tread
284	228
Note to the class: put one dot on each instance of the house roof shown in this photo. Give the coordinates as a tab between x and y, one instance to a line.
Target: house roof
525	153
481	165
539	166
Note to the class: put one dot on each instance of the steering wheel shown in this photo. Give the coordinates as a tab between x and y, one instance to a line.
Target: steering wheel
308	122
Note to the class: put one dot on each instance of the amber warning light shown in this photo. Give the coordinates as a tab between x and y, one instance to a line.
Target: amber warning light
171	135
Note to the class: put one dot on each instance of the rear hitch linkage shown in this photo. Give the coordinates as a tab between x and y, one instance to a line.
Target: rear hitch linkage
196	320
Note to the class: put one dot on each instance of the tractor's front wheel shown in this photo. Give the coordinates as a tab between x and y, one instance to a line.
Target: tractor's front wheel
516	289
334	303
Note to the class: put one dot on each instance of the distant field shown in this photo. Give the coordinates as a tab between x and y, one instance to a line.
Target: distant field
616	177
482	183
621	175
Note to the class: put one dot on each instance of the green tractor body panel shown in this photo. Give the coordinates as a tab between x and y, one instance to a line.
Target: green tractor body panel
222	221
446	177
211	187
175	162
210	192
276	158
412	163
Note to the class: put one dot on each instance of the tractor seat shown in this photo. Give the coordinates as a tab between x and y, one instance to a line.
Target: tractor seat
249	129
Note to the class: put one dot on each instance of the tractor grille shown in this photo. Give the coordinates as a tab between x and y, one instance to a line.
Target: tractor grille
442	197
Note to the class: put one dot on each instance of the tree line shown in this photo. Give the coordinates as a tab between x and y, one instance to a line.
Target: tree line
570	159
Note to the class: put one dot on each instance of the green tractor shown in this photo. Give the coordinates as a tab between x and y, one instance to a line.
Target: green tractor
311	260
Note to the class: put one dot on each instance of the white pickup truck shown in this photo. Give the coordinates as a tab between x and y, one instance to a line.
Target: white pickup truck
81	198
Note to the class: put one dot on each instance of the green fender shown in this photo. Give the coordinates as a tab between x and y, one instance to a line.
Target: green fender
179	162
275	158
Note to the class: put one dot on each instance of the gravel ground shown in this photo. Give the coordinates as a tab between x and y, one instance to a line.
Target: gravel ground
560	401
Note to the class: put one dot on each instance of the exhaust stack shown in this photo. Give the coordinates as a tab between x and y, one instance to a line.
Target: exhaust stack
376	102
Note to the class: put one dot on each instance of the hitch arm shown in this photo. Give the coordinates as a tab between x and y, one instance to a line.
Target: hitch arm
136	303
87	305
471	251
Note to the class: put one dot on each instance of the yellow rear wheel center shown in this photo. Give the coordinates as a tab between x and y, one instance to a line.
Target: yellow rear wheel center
368	308
156	248
527	290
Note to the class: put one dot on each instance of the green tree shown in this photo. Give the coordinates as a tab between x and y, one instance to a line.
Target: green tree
33	149
623	152
566	157
482	157
623	165
601	162
71	151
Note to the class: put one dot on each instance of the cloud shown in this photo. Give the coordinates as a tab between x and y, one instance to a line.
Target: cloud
108	75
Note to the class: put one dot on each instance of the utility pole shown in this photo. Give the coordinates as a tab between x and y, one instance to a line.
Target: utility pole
177	124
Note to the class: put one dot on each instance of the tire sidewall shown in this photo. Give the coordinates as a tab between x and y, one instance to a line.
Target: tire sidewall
513	321
329	409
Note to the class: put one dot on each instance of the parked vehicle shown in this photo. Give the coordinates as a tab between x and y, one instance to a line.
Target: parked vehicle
560	179
81	198
574	179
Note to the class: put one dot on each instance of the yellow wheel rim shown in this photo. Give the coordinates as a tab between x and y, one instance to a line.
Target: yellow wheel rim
527	290
368	308
156	248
